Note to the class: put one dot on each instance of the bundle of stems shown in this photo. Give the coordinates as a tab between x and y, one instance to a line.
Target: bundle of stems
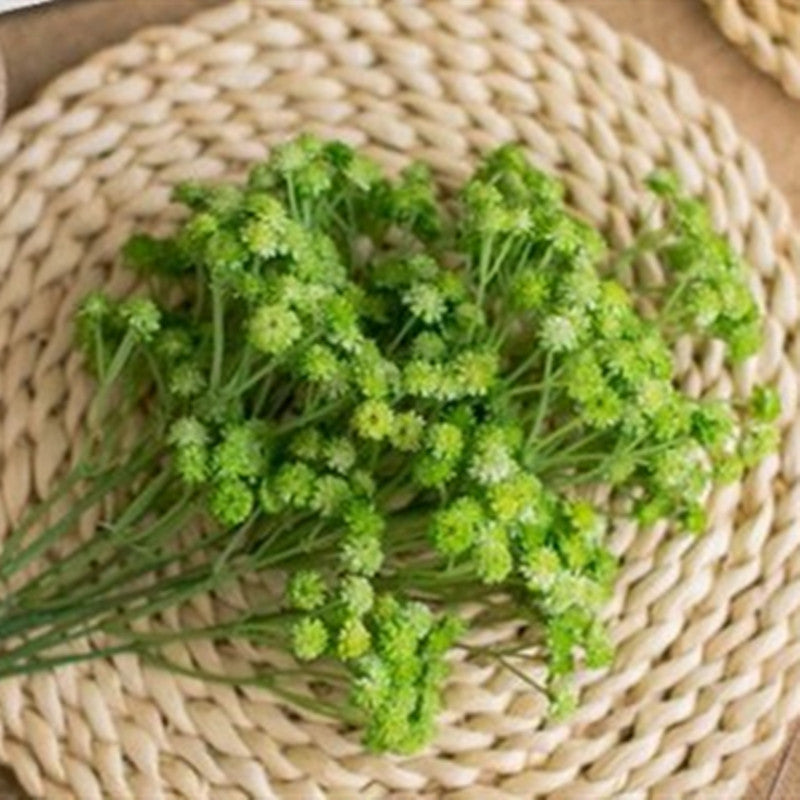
399	407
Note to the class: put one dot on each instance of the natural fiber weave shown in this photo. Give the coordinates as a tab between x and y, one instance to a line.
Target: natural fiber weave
768	31
708	629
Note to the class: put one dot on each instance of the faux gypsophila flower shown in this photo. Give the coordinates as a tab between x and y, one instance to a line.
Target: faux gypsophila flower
399	405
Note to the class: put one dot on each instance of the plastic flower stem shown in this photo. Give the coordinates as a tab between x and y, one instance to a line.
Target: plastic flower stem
120	537
335	710
123	353
8	566
218	313
258	377
544	401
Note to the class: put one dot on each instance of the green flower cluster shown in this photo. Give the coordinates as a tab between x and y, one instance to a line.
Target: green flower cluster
706	291
404	406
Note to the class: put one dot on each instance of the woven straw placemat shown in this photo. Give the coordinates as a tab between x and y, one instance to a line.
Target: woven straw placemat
708	630
768	32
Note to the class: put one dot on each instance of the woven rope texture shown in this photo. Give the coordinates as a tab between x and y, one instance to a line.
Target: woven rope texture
708	630
768	31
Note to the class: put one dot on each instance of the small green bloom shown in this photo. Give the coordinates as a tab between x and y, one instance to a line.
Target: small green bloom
308	445
560	333
341	320
728	468
375	376
515	500
428	346
357	594
455	528
425	302
95	307
174	344
362	172
492	554
563	697
273	329
187	380
407	432
430	471
294	484
353	640
362	483
374	419
265	232
423	379
309	639
765	403
320	365
760	440
306	590
531	289
604	410
695	518
268	500
340	455
447	630
445	441
476	372
240	454
231	502
372	685
418	617
329	495
492	461
584	377
363	518
663	183
142	318
713	423
540	568
190	438
361	553
744	341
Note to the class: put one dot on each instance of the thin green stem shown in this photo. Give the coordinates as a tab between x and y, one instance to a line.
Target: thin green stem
98	406
120	539
8	566
218	315
544	401
256	378
337	711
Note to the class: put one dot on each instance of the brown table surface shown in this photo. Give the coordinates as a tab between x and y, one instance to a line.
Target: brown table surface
39	43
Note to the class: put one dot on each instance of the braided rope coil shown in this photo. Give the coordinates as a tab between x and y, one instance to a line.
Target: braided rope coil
768	32
708	630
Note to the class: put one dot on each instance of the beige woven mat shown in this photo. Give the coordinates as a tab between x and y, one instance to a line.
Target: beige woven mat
708	630
768	31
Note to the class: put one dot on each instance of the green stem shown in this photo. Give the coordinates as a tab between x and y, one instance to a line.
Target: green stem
396	342
8	566
58	492
334	710
120	538
98	406
544	401
259	376
218	314
523	368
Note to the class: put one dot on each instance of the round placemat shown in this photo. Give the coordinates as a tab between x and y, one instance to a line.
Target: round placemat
768	32
708	629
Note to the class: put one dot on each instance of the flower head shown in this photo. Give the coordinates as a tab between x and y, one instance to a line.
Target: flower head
306	590
310	638
273	329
